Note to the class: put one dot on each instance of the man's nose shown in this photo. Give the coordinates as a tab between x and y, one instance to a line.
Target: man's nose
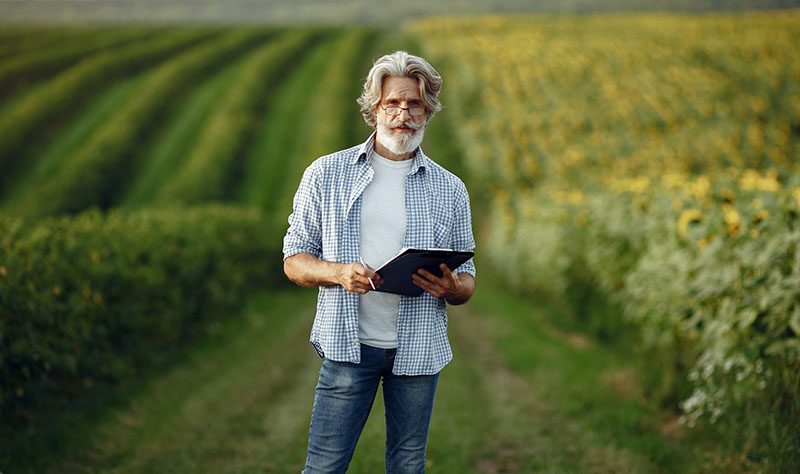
404	115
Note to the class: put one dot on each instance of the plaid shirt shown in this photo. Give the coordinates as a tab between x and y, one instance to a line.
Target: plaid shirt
325	223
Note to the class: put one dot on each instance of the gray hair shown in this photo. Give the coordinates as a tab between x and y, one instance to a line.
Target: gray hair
400	64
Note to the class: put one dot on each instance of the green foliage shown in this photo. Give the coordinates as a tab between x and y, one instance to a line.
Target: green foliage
332	105
279	141
94	296
650	160
716	309
209	170
67	89
94	173
23	69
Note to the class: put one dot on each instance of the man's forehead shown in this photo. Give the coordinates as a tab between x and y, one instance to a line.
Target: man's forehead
394	86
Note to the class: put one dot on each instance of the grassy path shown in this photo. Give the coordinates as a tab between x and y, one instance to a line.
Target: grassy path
520	396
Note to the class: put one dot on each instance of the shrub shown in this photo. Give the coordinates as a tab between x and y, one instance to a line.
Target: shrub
93	296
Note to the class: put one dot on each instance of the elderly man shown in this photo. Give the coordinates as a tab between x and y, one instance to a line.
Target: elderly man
358	207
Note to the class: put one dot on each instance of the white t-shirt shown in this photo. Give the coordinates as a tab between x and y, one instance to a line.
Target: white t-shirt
382	231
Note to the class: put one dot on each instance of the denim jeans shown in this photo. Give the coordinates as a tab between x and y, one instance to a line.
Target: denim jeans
344	396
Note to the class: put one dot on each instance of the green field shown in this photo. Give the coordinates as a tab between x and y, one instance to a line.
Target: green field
146	174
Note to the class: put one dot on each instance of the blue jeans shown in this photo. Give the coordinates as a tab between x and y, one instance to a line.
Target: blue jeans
343	400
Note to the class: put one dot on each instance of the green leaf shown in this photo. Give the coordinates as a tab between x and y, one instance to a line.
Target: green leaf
794	321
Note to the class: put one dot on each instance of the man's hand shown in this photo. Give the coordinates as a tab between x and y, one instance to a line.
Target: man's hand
355	277
455	288
307	270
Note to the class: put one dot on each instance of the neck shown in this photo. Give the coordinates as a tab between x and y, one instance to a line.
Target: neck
386	153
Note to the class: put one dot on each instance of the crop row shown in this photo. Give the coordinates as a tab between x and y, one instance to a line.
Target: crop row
87	297
26	68
209	169
279	138
652	162
93	174
330	113
21	40
26	118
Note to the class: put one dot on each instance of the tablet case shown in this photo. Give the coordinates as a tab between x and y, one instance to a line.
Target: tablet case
396	273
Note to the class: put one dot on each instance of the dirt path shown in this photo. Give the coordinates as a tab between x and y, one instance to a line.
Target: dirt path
243	404
523	430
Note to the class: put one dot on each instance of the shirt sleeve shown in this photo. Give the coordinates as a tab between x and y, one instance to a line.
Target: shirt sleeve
305	222
462	228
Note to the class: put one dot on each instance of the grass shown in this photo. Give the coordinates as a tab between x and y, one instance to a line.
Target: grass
520	396
166	152
279	140
185	417
52	150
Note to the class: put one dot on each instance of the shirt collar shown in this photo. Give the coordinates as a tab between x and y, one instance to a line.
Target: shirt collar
420	159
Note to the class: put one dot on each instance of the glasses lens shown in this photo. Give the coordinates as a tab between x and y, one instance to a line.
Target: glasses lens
413	111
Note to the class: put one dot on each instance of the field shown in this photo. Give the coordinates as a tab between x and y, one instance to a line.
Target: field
633	179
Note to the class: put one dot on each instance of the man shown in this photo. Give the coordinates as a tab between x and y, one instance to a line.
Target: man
355	209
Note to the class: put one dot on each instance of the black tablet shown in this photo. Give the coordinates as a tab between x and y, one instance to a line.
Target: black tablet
396	273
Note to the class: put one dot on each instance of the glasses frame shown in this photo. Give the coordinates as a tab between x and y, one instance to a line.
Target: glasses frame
401	109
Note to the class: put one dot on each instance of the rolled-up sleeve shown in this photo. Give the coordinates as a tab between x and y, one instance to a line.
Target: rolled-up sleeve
462	228
305	222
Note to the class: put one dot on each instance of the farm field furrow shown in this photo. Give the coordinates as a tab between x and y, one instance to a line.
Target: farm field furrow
332	98
50	152
96	172
72	87
28	69
209	172
22	40
167	150
279	139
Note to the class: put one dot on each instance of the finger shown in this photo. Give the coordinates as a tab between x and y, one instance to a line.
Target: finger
427	275
427	285
446	272
449	275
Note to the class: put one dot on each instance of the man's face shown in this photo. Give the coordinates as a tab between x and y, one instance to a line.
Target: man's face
403	132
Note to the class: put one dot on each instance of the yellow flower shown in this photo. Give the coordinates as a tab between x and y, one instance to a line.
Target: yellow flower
687	217
700	187
752	180
732	218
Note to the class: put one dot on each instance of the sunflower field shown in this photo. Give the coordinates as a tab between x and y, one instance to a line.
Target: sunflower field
651	158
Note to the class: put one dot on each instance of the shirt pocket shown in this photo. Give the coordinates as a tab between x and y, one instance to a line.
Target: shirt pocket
442	234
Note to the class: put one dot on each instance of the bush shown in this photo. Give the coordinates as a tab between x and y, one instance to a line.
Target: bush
92	297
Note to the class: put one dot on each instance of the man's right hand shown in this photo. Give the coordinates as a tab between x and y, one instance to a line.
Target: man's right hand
307	270
354	278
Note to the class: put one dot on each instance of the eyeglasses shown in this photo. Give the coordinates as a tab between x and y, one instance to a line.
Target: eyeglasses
394	110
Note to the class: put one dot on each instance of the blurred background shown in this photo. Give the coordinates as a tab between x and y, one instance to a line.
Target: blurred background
633	171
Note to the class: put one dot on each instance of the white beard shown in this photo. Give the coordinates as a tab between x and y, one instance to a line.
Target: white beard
399	142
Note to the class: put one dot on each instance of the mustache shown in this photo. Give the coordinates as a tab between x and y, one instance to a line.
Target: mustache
409	124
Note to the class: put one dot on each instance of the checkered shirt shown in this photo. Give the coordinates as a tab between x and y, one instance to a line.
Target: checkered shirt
325	223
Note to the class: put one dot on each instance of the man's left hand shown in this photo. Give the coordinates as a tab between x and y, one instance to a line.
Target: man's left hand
451	286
